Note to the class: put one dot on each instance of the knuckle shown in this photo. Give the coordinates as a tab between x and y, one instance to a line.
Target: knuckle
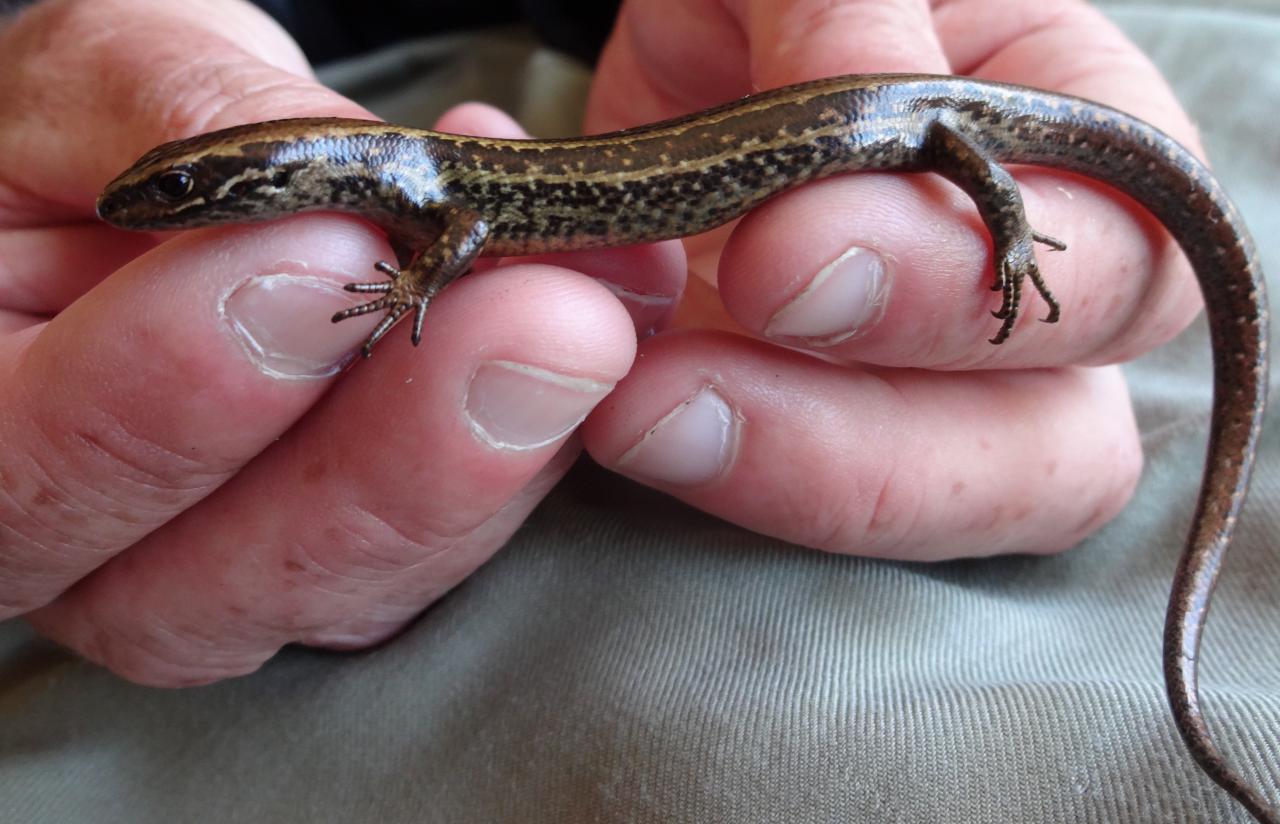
371	573
156	654
1171	301
149	671
221	89
874	519
364	632
167	66
365	547
19	596
134	466
83	490
69	16
1124	461
887	519
48	532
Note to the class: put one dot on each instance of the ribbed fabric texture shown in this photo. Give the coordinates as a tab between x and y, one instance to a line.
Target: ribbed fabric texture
627	659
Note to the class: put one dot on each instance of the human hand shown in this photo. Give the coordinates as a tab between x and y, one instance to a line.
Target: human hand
913	437
184	487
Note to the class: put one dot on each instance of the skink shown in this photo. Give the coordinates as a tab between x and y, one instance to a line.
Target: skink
447	199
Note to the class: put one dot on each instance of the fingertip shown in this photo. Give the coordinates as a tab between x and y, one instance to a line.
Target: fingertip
480	119
647	280
808	39
510	361
510	364
217	319
138	74
529	307
130	648
898	271
837	263
664	378
555	345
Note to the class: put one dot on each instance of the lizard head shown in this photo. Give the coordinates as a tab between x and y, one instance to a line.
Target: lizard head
246	173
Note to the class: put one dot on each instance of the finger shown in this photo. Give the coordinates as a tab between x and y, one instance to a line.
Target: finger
853	461
897	270
664	58
11	322
1038	44
394	489
480	119
647	280
872	286
134	73
145	395
667	58
670	57
808	39
42	270
376	620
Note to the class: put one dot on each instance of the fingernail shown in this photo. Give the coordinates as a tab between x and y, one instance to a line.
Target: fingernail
516	406
846	297
282	321
693	444
649	313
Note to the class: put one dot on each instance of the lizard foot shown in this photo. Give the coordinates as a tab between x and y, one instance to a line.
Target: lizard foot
1014	264
400	294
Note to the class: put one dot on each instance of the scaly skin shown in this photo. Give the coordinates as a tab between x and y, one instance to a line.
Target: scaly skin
447	199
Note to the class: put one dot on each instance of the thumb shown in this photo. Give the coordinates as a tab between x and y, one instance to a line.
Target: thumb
101	81
671	57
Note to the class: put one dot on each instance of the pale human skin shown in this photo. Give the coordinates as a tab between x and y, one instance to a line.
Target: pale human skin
177	505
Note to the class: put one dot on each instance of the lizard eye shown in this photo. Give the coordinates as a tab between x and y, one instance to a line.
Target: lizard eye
174	184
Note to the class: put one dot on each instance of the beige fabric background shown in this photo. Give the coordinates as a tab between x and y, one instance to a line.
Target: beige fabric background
627	659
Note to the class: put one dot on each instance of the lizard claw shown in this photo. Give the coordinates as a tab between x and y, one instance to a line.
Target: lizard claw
382	286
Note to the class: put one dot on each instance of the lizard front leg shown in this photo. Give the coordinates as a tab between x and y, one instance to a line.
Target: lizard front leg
450	255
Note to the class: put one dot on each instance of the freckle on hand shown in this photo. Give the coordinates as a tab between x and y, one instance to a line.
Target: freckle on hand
315	471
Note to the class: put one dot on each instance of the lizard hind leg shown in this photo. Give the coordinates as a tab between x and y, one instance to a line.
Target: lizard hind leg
995	193
412	288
